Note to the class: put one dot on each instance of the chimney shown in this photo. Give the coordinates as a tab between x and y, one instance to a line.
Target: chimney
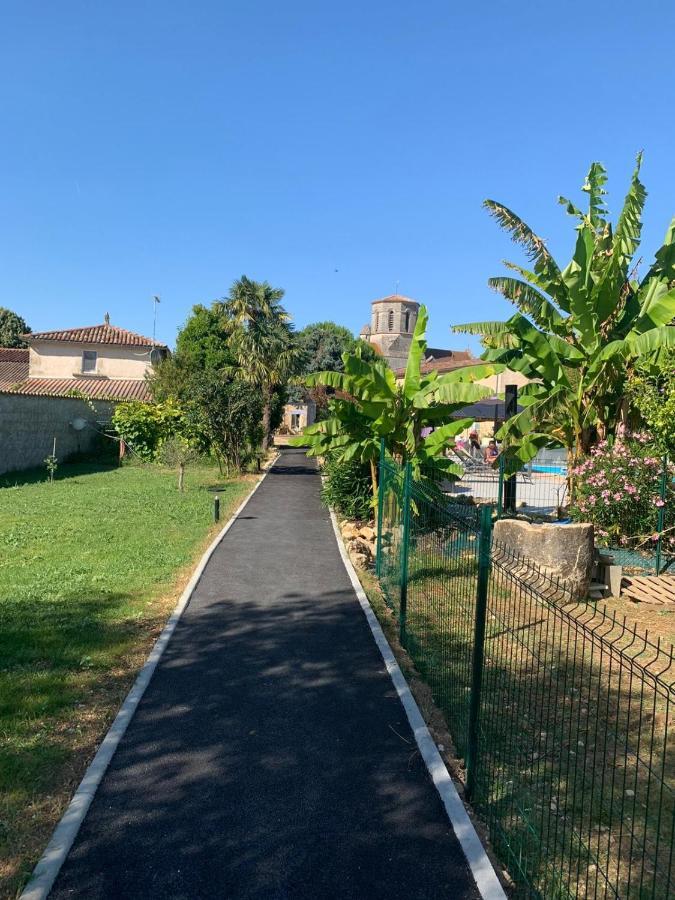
106	318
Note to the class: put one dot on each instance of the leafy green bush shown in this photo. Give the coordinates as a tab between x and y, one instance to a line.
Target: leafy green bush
145	426
347	488
617	488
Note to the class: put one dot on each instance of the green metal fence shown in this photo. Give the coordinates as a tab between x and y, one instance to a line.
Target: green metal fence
562	713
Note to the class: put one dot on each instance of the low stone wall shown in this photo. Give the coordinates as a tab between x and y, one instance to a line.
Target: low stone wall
28	426
561	551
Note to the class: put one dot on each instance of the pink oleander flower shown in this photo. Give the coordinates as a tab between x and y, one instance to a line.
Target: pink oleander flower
618	496
659	502
655	537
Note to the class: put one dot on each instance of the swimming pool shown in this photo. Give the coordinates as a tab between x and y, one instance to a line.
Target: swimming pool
550	470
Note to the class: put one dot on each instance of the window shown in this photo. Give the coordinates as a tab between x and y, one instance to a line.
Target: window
390	320
407	320
377	323
88	360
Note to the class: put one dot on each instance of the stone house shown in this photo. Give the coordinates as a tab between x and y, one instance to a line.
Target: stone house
64	387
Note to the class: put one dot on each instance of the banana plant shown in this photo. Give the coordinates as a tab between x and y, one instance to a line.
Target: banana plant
578	330
372	405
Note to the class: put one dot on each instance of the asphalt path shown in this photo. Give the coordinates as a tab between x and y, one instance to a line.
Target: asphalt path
270	757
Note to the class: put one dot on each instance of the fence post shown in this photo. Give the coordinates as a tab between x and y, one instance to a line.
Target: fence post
405	546
661	516
500	493
380	511
484	545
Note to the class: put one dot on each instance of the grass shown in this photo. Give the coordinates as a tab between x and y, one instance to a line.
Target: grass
90	567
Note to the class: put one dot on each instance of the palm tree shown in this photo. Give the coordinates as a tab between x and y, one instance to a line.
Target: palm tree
579	329
262	340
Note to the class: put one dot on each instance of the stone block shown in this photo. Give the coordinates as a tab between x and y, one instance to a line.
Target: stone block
561	551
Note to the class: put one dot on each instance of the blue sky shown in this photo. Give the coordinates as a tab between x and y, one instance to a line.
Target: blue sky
168	147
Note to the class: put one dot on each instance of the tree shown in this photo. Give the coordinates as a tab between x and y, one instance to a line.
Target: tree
203	344
651	392
204	340
12	326
262	341
224	416
375	406
579	329
324	343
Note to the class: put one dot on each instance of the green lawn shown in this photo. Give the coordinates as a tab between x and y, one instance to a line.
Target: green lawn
89	569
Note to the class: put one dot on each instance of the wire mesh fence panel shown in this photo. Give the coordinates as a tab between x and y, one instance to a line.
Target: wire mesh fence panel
574	768
390	531
576	775
441	597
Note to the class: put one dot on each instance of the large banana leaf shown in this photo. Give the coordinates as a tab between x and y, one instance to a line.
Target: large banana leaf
416	353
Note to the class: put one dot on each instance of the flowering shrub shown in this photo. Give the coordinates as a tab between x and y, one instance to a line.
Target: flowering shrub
618	489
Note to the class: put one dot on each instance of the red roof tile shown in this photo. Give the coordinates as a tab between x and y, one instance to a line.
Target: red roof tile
95	334
93	388
13	366
445	364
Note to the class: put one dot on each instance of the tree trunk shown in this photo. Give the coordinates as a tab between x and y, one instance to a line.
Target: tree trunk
267	414
181	476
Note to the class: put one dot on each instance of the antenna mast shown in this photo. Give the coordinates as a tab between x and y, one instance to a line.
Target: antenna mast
155	301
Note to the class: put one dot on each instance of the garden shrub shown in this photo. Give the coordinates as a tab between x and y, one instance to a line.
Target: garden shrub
617	488
145	426
347	488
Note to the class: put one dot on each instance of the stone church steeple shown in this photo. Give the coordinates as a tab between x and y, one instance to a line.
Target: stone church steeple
392	323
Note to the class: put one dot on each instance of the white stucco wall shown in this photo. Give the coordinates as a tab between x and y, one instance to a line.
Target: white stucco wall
497	383
61	359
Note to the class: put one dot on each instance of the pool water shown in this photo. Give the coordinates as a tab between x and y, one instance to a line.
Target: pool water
551	470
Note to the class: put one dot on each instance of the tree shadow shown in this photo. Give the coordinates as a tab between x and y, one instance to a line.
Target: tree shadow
270	757
65	471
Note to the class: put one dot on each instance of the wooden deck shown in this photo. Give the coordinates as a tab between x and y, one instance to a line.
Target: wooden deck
649	589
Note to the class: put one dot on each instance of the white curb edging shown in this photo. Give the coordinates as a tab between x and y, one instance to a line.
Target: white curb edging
63	836
482	870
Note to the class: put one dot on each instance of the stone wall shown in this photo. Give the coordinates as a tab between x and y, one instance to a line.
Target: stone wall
28	426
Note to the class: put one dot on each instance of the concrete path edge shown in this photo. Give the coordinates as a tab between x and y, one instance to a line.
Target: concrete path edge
63	836
482	870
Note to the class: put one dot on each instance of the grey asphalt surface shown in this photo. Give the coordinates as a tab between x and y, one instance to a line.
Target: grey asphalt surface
270	757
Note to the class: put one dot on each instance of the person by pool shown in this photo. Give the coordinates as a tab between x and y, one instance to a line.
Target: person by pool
491	451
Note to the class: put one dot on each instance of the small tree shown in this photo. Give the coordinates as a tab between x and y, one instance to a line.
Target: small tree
177	452
145	426
12	326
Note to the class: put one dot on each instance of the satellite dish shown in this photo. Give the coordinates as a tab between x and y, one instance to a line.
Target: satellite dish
78	424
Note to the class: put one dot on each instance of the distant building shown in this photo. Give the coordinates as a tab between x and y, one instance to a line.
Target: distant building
46	391
392	323
100	361
298	416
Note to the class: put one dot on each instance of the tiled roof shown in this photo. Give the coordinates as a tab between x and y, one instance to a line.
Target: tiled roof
445	363
95	334
93	388
13	366
396	298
